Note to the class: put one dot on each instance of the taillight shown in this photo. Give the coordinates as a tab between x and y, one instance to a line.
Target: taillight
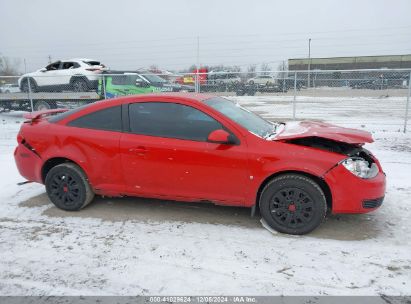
93	69
19	138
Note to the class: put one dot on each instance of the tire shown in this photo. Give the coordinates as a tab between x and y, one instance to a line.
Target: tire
25	85
41	105
5	106
251	82
79	85
293	204
251	92
68	188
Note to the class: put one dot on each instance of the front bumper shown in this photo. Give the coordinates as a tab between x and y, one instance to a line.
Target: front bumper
351	194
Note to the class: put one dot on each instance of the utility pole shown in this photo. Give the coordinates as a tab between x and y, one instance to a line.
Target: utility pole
49	58
309	62
197	84
283	76
25	66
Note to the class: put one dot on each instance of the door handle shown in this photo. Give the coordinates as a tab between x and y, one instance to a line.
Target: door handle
139	150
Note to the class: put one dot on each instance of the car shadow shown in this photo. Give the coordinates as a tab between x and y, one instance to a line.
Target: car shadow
336	227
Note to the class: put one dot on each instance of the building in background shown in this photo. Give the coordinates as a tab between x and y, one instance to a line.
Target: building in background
352	63
342	76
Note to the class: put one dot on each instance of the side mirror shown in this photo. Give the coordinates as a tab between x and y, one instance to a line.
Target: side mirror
43	70
220	137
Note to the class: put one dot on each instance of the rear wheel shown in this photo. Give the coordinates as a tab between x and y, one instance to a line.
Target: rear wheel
68	188
80	85
293	204
42	105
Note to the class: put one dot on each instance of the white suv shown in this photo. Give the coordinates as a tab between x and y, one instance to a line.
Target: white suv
223	78
262	80
78	74
9	88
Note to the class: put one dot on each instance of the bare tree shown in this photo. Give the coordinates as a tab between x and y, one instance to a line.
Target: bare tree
282	68
265	68
153	68
9	67
251	71
235	68
192	68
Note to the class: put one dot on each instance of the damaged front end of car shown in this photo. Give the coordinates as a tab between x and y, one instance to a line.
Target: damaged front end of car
357	182
359	162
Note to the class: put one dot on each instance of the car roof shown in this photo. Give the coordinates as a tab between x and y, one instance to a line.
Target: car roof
174	95
104	103
151	97
80	59
121	72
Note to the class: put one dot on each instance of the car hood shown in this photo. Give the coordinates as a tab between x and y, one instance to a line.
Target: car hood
35	73
301	129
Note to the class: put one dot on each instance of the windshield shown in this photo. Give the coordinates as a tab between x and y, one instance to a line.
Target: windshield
153	78
126	79
252	122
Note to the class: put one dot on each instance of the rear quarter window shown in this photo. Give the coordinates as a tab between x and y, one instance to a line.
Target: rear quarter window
58	117
108	119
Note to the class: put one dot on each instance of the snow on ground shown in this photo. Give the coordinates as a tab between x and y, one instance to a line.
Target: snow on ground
138	246
377	113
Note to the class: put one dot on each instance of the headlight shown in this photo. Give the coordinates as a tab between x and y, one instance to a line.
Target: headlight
360	167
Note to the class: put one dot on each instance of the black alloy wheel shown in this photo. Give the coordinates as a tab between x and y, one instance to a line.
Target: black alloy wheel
67	187
293	204
291	207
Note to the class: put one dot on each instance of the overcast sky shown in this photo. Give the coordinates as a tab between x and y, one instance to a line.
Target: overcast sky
129	34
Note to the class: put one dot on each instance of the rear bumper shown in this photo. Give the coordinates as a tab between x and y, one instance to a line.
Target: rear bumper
351	194
28	163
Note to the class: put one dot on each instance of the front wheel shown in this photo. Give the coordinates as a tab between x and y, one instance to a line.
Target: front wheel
293	204
68	188
26	87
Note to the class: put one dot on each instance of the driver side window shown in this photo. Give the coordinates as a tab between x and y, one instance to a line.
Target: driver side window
53	66
172	120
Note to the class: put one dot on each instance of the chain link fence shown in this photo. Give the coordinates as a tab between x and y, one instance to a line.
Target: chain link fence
373	98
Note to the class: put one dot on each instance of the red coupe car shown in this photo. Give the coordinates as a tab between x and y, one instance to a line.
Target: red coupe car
193	147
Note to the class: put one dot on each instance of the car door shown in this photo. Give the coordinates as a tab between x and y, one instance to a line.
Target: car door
166	154
63	74
47	76
126	84
67	71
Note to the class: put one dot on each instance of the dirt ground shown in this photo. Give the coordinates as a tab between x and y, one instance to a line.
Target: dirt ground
337	227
